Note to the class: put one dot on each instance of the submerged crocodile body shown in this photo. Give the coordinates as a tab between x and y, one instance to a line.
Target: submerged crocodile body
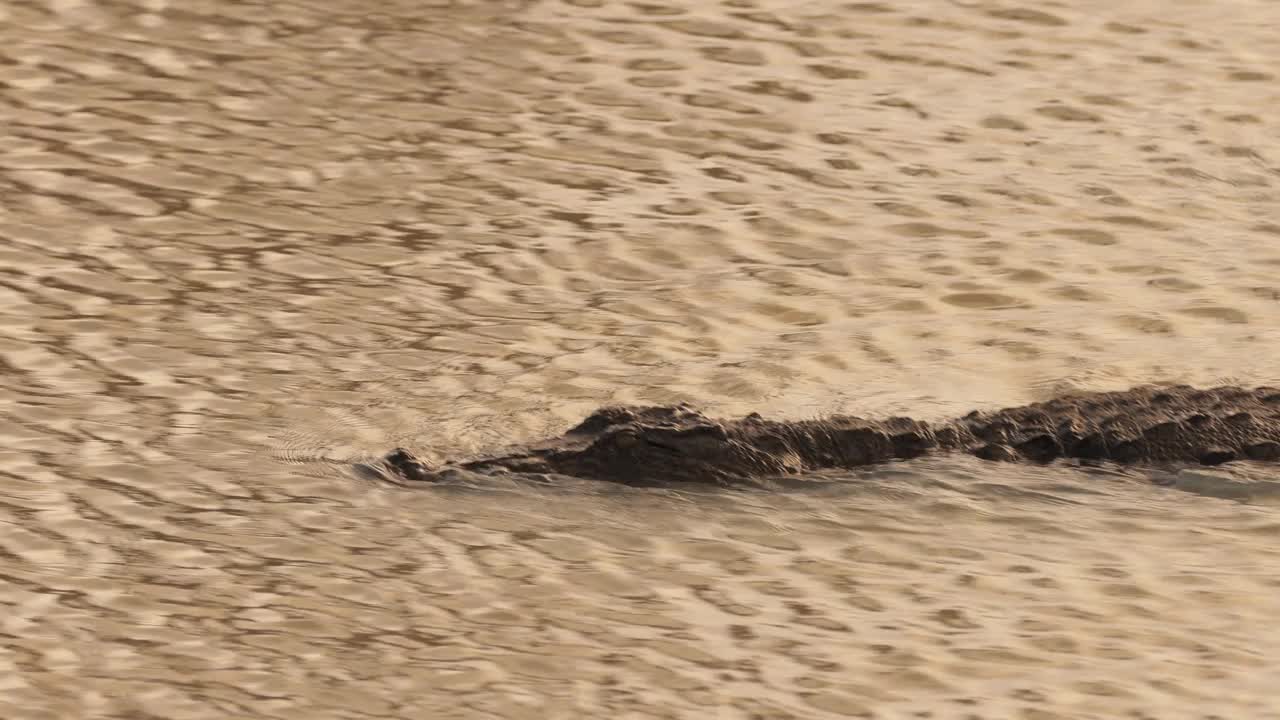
666	445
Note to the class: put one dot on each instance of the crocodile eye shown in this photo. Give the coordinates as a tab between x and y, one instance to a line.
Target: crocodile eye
713	431
415	471
627	439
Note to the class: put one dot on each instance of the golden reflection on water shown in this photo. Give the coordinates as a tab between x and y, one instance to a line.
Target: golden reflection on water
245	244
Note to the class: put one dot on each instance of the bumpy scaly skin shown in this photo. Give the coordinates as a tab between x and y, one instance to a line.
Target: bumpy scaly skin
676	444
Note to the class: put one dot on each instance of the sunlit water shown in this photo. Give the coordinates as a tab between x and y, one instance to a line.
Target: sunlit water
244	245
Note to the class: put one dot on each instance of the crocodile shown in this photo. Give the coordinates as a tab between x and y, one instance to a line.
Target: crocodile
675	444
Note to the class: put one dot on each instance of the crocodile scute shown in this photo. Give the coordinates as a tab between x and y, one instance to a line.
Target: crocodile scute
676	444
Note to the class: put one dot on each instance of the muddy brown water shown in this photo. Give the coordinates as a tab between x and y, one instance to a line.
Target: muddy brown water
243	244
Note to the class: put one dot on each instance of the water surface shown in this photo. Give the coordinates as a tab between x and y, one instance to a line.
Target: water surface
245	243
